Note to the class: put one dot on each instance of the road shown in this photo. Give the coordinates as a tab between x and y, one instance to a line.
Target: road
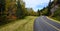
42	23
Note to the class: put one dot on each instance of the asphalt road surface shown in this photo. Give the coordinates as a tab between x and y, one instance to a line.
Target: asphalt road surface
42	23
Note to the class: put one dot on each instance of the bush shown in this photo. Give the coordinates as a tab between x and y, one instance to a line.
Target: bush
57	14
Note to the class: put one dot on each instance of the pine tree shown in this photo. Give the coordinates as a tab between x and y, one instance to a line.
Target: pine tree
38	12
49	8
2	9
2	6
19	10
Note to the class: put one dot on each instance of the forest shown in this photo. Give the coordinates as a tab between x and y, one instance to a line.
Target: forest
13	10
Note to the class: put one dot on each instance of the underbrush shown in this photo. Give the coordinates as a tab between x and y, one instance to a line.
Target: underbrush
56	15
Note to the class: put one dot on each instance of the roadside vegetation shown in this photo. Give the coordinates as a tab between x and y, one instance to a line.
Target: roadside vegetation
25	24
57	14
11	10
15	17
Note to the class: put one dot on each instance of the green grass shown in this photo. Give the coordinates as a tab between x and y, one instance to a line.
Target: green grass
20	25
56	18
57	14
53	19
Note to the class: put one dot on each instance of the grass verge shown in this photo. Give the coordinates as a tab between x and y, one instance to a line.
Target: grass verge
25	24
53	20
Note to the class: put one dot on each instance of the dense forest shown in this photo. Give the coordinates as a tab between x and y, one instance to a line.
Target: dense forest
13	10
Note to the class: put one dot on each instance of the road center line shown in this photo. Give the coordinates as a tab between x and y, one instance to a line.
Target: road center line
50	24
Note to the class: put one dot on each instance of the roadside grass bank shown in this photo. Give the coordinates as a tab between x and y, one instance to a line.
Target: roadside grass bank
25	24
54	19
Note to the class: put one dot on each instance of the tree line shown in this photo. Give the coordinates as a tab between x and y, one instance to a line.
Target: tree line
12	10
47	10
52	10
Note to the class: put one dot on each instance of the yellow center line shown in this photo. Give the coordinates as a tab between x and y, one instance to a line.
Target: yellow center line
50	24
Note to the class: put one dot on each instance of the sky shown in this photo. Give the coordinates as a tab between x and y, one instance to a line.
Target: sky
36	4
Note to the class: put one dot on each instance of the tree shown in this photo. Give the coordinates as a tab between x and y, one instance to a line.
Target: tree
20	9
11	8
38	12
58	2
49	8
2	7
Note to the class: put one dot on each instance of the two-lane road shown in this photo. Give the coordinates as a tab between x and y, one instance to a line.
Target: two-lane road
43	24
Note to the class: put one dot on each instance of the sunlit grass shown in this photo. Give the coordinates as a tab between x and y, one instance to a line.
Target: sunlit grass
21	25
54	19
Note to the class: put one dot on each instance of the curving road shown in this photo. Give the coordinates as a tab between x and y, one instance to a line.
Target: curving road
43	24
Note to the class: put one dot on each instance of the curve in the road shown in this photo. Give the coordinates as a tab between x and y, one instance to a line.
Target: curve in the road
41	24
